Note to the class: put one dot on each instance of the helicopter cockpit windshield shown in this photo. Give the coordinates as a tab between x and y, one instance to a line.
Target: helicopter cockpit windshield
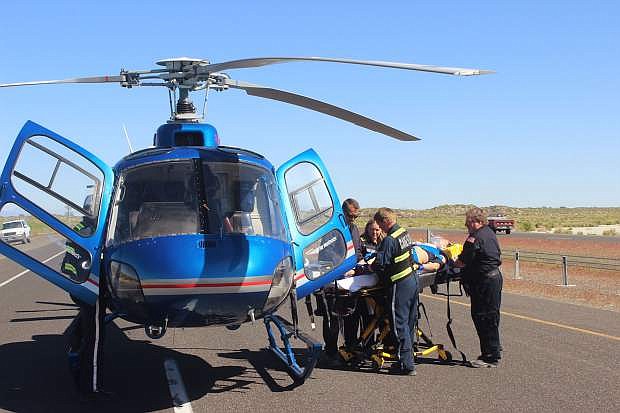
195	197
241	198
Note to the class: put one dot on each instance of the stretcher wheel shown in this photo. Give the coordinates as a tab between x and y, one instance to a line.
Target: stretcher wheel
377	363
444	355
376	366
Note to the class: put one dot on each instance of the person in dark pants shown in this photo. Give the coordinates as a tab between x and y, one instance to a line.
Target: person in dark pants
326	304
482	278
351	323
86	331
86	334
395	268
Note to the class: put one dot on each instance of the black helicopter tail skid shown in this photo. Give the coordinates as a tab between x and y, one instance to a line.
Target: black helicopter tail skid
299	373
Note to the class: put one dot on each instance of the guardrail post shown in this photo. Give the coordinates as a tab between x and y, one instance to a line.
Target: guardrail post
565	273
428	235
517	273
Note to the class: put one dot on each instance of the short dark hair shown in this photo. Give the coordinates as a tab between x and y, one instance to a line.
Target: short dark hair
350	203
385	215
369	223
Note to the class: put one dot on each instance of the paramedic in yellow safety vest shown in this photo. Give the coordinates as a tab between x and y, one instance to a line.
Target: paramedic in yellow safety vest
395	268
85	334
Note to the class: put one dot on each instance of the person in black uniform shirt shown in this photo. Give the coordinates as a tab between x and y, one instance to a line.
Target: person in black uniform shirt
331	325
480	260
351	209
85	333
395	268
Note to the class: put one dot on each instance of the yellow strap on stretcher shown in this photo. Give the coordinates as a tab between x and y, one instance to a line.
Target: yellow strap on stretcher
453	251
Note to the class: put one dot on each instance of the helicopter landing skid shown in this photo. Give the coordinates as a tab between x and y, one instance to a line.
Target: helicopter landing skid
298	373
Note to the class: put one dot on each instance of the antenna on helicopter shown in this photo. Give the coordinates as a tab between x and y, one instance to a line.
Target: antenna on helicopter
128	140
185	75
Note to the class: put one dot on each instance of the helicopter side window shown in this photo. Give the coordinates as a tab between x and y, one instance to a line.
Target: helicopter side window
309	197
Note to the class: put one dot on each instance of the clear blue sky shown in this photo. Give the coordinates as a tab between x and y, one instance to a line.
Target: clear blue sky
543	131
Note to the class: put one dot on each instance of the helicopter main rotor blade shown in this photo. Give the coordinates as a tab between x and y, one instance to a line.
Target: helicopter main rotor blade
264	61
95	79
318	106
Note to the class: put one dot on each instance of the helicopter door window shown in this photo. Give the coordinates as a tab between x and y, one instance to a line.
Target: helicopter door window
59	181
309	197
67	258
324	254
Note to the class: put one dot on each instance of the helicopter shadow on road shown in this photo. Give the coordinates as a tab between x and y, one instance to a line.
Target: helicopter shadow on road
35	375
265	364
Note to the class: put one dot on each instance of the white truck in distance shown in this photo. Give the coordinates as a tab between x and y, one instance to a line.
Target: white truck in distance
17	230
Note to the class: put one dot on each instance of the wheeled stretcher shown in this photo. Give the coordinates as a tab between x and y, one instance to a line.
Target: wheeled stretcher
375	342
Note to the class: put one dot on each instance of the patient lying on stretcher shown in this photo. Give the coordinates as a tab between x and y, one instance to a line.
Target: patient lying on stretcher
427	257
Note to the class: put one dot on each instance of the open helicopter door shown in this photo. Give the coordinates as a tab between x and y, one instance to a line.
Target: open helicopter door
63	191
321	238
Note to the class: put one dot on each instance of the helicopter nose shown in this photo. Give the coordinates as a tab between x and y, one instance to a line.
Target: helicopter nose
196	280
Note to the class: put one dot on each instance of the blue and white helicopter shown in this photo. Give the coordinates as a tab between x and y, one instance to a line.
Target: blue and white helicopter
190	232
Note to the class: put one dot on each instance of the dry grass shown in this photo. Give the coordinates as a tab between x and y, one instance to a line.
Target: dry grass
526	219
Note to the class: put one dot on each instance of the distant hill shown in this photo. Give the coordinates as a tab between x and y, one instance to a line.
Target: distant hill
526	219
452	217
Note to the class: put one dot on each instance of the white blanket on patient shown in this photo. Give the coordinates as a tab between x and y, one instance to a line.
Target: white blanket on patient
358	282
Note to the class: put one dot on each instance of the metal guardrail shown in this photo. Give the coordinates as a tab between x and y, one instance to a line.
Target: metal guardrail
562	260
601	263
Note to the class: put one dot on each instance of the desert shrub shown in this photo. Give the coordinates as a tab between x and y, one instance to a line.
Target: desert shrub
541	218
610	233
525	226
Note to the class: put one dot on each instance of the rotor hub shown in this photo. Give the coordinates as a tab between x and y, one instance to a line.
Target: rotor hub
185	106
179	63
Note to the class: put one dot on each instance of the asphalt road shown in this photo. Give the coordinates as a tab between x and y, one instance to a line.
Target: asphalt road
558	357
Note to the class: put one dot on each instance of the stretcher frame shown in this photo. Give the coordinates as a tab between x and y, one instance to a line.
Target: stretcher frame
377	354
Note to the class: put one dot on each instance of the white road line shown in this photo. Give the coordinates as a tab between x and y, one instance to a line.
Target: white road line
180	400
26	271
